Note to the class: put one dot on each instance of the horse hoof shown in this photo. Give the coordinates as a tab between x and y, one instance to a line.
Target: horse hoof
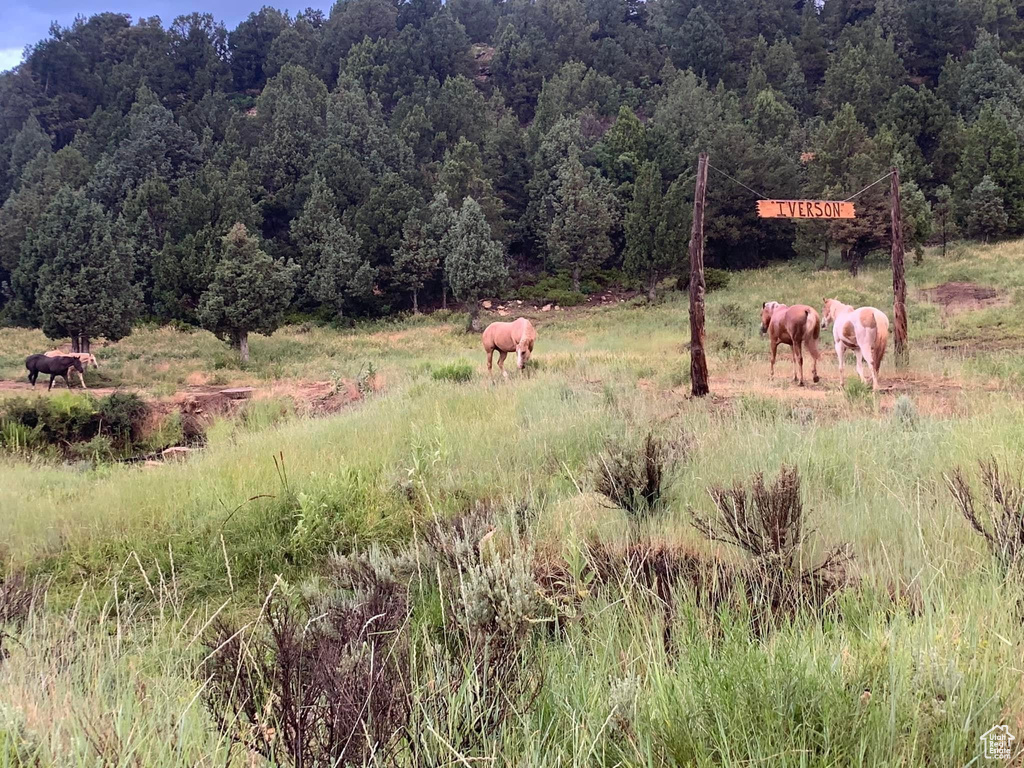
817	379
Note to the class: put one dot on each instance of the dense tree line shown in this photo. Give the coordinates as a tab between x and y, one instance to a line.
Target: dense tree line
390	154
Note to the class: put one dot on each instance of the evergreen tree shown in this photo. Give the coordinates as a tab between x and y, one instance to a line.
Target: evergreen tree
249	292
29	142
85	285
943	212
579	239
474	262
645	259
987	217
416	260
290	126
918	223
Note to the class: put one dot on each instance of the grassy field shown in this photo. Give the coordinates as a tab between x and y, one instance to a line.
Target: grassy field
191	609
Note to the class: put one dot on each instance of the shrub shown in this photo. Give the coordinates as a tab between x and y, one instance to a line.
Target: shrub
732	314
328	684
632	476
767	522
904	412
122	414
459	371
714	280
1003	528
857	390
556	289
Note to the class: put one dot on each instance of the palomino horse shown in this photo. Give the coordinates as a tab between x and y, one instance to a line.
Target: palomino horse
865	330
517	336
86	358
797	326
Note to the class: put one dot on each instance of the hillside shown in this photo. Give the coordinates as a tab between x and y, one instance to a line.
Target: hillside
347	145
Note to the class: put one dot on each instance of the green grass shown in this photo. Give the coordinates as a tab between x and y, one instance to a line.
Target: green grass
138	559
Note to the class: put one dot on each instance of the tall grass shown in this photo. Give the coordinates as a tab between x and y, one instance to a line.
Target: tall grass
909	667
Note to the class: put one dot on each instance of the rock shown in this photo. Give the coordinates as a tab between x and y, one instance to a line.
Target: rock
557	307
238	393
519	301
175	452
502	313
485	304
546	308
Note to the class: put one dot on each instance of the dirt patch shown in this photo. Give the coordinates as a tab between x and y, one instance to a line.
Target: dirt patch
962	297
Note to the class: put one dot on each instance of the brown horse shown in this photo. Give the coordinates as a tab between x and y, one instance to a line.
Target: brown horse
517	336
797	326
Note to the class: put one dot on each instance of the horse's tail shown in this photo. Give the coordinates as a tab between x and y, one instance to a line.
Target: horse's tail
881	340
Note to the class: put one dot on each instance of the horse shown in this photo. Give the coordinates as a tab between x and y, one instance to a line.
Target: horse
55	366
796	326
865	330
517	336
87	359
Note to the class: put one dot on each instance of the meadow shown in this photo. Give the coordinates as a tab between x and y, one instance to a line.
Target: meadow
438	574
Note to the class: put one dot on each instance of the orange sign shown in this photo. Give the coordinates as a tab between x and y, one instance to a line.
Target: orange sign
804	209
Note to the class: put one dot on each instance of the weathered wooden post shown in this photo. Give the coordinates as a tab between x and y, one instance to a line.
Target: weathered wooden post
899	283
698	362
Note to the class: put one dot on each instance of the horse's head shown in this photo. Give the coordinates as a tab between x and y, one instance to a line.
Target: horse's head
90	359
523	352
767	309
828	313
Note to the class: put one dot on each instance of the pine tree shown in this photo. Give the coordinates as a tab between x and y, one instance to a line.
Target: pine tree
475	263
249	293
415	260
85	278
583	215
29	142
331	267
987	217
943	212
645	260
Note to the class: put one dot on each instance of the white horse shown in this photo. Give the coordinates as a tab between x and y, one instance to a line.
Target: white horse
85	358
865	330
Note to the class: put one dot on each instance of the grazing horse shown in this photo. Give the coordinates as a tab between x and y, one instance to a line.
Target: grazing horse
865	330
86	357
55	366
797	326
517	336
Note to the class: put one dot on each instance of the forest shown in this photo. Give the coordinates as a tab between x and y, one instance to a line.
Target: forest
391	157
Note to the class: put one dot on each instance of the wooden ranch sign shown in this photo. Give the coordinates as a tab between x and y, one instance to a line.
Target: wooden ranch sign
805	209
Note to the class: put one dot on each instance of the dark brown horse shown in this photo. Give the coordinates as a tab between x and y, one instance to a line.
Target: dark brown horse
797	326
55	366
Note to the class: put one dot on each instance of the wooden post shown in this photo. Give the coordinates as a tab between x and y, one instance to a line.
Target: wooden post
899	283
698	362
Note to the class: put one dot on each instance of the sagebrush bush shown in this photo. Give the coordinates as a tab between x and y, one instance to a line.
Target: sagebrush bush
632	476
1002	527
904	412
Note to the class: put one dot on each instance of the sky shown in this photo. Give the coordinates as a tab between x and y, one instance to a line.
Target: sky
25	22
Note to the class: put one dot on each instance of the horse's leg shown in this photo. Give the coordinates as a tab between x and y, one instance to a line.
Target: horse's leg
501	363
81	376
840	354
812	347
52	377
798	354
490	360
860	365
774	346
